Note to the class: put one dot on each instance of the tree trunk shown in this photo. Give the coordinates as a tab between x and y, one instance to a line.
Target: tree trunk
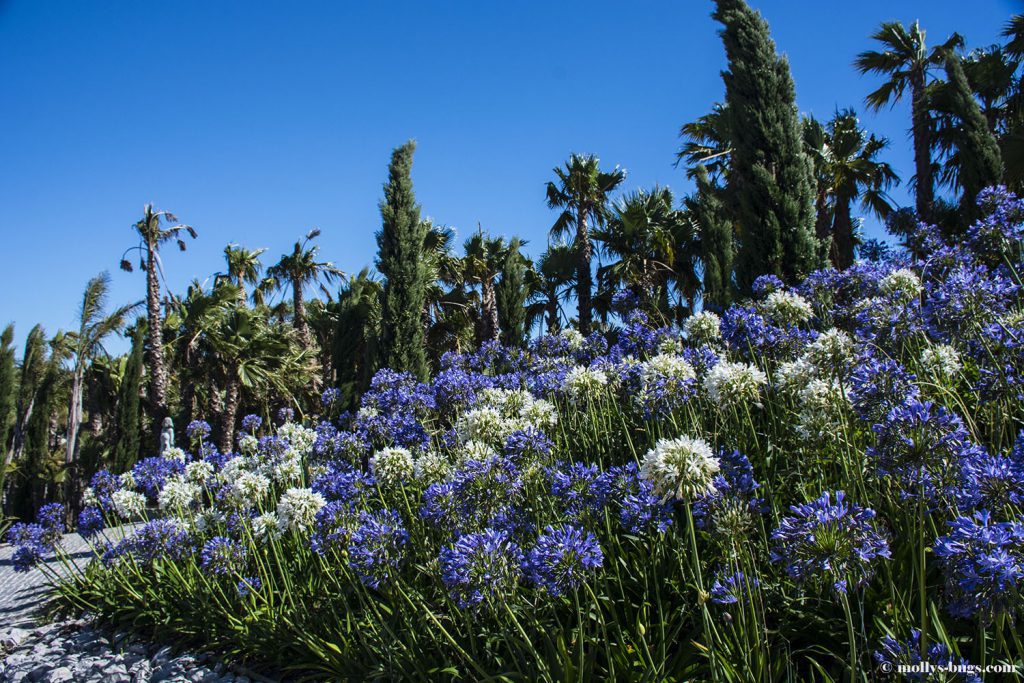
552	315
490	312
158	373
71	436
921	122
583	278
299	315
842	234
232	398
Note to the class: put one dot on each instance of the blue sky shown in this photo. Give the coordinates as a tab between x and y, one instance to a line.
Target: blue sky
256	121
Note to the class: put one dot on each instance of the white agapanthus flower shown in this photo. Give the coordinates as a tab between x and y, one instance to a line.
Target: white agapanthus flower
823	410
483	424
787	308
573	337
431	468
792	376
296	511
392	465
174	453
231	470
367	413
287	470
670	345
206	520
831	352
582	382
89	498
177	494
683	468
703	328
299	438
198	471
266	526
941	360
539	413
249	488
733	384
248	444
127	480
476	450
903	284
128	504
665	365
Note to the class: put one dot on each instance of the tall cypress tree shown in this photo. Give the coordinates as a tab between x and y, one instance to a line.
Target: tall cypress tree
771	183
715	235
511	294
400	260
980	163
128	425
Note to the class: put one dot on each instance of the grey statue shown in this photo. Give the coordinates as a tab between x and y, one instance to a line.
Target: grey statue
166	435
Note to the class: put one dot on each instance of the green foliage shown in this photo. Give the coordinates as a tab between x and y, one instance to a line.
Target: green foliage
770	185
128	428
511	292
400	260
355	336
716	239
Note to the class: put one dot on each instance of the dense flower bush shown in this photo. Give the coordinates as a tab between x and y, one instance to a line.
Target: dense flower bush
776	489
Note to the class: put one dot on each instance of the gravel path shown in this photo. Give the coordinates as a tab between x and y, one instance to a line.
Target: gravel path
77	650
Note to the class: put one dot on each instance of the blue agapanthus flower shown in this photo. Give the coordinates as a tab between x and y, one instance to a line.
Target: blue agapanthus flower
731	587
198	430
159	539
330	396
51	518
248	585
640	510
90	522
526	444
923	446
983	562
563	558
151	474
333	527
877	385
343	483
31	542
481	566
894	654
581	490
734	504
103	485
377	547
480	494
252	423
829	540
998	350
993	482
223	556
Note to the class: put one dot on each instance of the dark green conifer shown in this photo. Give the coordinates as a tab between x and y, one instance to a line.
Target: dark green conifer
715	239
512	292
400	261
771	184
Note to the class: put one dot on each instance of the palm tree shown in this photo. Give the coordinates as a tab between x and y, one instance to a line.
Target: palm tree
244	268
708	142
551	284
582	193
906	62
847	167
641	236
94	325
446	305
153	231
357	322
250	354
482	263
300	269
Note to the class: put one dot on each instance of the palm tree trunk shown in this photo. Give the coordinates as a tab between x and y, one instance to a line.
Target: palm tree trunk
232	398
155	334
584	253
552	315
921	122
71	436
490	306
842	235
299	315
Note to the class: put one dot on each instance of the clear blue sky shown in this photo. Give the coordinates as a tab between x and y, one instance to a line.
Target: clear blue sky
256	121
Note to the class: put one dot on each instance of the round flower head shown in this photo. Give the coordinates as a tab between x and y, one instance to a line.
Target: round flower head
895	654
392	466
377	547
430	468
475	450
831	541
252	423
787	308
730	588
90	522
703	328
249	488
573	338
485	424
822	411
562	559
223	556
177	494
248	444
583	383
296	511
266	526
831	353
941	361
902	284
198	471
481	566
128	504
682	468
734	384
174	453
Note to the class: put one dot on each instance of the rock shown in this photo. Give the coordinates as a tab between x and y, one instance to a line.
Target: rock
60	675
13	637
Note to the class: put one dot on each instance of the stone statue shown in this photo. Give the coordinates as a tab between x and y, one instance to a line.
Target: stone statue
166	435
